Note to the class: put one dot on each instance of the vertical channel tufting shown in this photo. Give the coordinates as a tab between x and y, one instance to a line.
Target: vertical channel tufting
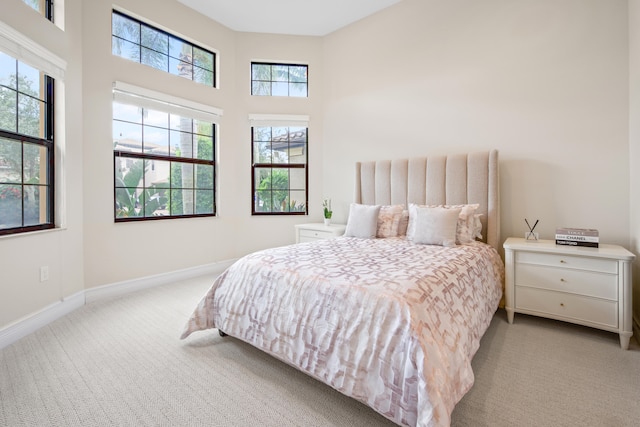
492	236
436	180
368	179
456	179
399	182
417	181
383	183
357	194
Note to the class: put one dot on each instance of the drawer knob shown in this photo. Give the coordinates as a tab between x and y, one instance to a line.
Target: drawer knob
563	261
562	280
561	304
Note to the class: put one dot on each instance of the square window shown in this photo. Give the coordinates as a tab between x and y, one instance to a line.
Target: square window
153	39
8	71
279	79
9	116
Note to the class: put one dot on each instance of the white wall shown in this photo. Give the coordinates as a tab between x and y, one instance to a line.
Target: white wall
545	82
21	292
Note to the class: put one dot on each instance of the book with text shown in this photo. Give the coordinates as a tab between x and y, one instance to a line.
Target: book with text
577	238
577	243
577	231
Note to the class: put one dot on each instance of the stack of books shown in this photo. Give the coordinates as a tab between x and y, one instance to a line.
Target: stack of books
586	237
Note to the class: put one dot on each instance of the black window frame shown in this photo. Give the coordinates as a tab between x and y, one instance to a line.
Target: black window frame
140	45
257	165
272	81
125	154
48	9
49	144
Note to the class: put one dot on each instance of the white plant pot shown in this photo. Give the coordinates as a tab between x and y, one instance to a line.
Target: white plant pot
327	221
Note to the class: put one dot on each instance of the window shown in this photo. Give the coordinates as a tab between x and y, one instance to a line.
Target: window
140	42
44	7
279	168
279	79
164	159
26	147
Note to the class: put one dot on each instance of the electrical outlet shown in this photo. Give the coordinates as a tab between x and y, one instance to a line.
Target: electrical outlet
44	273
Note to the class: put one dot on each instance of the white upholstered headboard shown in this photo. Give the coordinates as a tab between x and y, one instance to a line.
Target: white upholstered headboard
435	180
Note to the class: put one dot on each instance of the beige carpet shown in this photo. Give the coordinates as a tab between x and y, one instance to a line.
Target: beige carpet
119	363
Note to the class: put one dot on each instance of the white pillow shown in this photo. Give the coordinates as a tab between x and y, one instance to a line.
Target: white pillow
436	226
466	231
389	220
411	226
363	221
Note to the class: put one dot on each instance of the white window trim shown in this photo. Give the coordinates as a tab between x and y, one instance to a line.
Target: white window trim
148	98
278	120
24	49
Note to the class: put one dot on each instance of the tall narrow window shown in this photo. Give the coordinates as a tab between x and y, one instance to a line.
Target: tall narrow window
279	169
164	159
26	147
279	79
139	42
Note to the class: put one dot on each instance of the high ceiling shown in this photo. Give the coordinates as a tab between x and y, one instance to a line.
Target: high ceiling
298	17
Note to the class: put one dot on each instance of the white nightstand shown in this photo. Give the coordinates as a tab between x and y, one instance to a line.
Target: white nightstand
318	231
588	286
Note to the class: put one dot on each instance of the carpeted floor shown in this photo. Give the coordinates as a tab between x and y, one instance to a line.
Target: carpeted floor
119	362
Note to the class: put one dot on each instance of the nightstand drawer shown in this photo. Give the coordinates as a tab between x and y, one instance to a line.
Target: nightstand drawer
316	231
589	283
570	306
315	234
568	261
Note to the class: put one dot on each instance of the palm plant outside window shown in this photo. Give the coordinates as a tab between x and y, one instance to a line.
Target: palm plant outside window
268	79
279	171
139	42
26	147
164	164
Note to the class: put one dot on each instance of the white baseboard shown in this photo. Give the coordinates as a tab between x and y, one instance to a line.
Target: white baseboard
127	286
33	322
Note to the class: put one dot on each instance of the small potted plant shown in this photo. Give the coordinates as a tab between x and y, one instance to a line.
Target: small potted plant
326	204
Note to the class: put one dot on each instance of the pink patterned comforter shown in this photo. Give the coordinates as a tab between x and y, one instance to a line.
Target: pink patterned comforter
390	323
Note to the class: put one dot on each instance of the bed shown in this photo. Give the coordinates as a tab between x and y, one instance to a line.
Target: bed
392	320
